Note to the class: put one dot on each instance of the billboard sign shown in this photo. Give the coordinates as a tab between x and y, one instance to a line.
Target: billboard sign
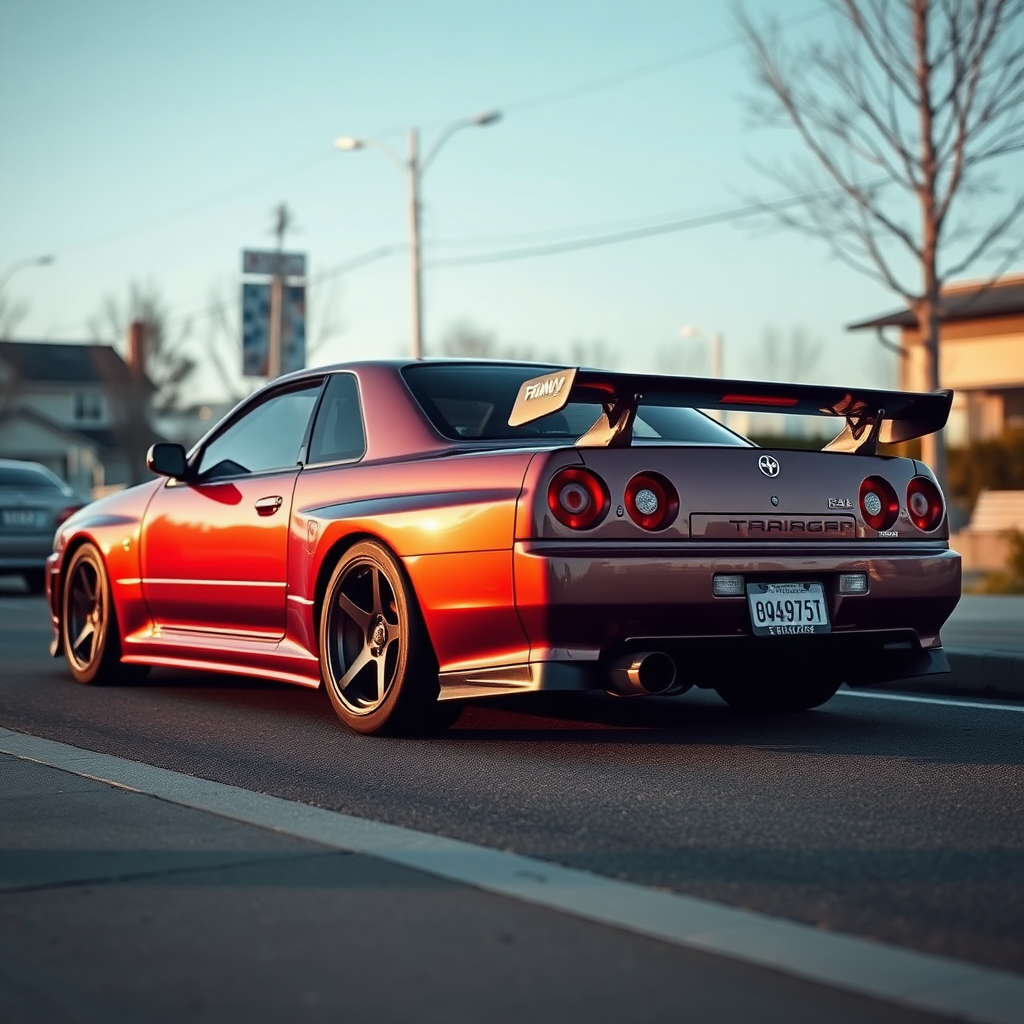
256	306
270	261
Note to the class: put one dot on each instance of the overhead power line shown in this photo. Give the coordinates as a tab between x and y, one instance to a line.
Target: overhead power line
529	103
644	70
616	237
197	207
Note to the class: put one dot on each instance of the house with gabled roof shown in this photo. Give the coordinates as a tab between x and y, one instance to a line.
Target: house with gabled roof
981	355
79	409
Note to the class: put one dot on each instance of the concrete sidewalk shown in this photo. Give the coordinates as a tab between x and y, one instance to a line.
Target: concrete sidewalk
115	905
984	641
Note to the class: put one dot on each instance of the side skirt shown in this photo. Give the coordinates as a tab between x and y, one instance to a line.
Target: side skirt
524	678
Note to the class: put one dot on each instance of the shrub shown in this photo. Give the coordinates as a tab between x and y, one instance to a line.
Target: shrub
1011	579
997	464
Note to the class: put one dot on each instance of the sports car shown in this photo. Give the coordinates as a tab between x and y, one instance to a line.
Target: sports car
413	534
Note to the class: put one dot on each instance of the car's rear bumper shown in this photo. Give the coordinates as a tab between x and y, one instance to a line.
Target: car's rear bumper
25	551
581	603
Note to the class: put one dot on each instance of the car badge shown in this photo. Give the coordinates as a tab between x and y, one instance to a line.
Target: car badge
768	465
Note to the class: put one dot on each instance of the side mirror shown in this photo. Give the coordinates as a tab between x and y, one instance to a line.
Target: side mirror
167	459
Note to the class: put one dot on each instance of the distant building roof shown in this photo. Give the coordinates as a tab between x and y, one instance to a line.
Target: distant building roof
966	301
66	363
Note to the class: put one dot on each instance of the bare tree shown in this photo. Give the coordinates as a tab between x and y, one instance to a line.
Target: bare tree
156	375
595	352
793	360
467	341
910	109
167	365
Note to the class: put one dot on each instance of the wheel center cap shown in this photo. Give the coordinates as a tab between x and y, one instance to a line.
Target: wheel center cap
378	636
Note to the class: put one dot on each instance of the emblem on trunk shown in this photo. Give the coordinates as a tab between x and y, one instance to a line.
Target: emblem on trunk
768	465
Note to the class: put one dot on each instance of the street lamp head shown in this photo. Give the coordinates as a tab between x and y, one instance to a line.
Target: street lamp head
346	142
485	117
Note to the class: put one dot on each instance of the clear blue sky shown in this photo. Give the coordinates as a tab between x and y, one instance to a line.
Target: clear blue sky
150	140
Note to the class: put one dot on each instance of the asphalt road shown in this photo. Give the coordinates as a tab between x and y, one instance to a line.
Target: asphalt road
892	820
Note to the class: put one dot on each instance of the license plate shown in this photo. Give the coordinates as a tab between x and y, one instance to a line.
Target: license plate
18	517
784	609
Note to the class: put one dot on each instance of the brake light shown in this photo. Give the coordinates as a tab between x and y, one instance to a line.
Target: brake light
66	513
777	401
651	501
577	498
924	503
878	503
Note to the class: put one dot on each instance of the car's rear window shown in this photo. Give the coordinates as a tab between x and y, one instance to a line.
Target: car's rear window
29	478
474	401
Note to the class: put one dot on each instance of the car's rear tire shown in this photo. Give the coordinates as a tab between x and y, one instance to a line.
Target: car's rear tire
376	659
90	635
35	580
796	693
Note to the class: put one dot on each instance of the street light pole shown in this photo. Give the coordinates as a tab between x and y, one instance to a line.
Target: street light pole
415	167
717	347
32	261
415	265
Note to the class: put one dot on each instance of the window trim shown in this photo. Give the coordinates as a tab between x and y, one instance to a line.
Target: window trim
258	399
316	412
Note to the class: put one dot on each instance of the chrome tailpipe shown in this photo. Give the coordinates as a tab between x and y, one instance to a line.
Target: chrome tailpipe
642	672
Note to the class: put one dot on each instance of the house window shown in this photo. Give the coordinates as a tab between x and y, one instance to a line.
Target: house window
88	407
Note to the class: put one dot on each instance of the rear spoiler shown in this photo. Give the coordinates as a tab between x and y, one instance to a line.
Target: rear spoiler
872	417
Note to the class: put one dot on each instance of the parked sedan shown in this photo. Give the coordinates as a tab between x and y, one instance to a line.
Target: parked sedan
412	534
33	503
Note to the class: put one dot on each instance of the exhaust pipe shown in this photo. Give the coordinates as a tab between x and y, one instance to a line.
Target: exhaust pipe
643	672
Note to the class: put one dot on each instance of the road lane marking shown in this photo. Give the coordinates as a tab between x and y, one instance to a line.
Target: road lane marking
890	973
946	702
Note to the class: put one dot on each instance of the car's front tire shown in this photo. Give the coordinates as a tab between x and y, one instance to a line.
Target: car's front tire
90	635
375	655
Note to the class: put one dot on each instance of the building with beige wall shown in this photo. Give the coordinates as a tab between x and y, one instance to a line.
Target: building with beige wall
981	355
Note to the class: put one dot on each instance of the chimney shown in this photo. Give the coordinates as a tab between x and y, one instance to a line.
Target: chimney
137	348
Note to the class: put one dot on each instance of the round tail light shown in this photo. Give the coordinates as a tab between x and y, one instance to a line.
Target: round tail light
577	498
878	503
65	514
651	501
924	503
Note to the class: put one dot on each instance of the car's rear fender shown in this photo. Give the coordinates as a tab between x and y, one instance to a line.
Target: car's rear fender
450	521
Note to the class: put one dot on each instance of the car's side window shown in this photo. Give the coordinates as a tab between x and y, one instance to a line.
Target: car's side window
338	434
267	437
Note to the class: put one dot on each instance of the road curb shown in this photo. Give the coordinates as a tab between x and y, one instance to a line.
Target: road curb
973	673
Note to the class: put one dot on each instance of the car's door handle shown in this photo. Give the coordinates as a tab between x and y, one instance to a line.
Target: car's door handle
268	506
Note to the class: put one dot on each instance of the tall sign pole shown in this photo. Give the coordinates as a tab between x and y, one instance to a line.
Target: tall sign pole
277	295
273	311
